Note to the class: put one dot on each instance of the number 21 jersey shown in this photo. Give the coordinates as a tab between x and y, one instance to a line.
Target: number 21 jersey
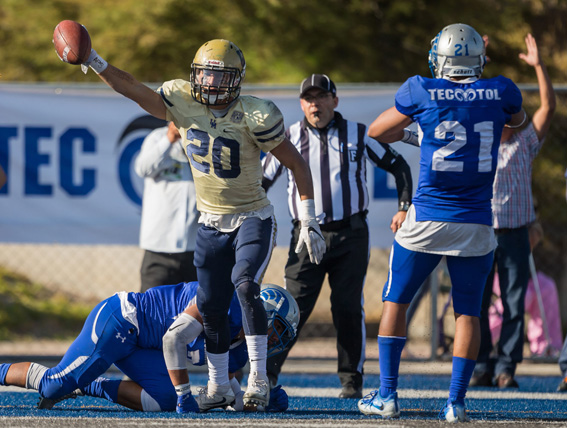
460	125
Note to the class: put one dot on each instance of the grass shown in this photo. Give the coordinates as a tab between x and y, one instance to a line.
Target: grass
29	310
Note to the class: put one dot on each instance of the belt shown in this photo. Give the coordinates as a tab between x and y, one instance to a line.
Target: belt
503	230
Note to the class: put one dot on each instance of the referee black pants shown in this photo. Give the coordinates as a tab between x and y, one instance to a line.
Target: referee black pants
346	262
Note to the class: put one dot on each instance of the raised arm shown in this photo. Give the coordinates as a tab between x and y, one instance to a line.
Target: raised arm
124	83
121	81
542	117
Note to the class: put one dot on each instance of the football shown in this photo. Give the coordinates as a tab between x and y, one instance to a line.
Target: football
72	42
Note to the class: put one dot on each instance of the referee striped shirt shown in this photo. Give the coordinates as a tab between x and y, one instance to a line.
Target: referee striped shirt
337	158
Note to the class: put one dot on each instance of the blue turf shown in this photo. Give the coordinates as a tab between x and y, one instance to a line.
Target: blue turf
14	404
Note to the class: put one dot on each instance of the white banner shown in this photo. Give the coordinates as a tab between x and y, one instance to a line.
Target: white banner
69	154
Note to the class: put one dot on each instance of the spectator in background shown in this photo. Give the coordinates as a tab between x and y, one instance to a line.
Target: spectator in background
540	343
563	356
2	177
169	210
336	150
513	212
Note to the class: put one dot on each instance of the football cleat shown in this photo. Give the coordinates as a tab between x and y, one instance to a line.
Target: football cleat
374	404
454	412
214	397
48	403
257	395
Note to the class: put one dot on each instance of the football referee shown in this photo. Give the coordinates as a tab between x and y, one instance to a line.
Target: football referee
336	150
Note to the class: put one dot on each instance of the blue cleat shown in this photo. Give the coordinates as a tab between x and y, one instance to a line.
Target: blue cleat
374	404
186	403
454	412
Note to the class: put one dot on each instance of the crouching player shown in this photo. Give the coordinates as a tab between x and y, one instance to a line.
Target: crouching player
151	337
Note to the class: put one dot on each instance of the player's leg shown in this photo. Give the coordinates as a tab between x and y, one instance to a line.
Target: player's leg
303	280
253	249
150	388
347	263
513	273
484	369
563	367
468	277
408	270
214	259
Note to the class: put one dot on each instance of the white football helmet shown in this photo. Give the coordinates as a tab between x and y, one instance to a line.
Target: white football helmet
217	72
457	51
283	317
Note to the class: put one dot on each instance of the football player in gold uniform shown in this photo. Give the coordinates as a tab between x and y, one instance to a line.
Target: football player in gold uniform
223	134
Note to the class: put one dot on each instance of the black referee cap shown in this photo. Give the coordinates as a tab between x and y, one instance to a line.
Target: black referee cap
320	81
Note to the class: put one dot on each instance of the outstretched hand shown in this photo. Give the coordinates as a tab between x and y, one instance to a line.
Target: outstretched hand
532	57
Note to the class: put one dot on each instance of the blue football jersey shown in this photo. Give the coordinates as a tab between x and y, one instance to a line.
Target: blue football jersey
460	125
158	307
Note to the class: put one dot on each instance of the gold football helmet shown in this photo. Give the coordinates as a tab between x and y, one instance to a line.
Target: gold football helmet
216	73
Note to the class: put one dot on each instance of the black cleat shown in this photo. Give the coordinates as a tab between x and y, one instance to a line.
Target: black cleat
48	403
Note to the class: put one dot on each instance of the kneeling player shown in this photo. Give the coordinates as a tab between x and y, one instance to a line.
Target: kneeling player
143	335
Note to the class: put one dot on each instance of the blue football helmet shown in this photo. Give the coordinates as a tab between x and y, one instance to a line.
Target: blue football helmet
457	51
283	317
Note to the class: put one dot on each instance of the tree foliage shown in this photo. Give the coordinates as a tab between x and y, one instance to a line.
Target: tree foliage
285	40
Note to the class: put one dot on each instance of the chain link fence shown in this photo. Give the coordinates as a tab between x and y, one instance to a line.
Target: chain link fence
91	273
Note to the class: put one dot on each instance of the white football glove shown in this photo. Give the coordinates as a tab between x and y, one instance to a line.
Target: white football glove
95	62
310	233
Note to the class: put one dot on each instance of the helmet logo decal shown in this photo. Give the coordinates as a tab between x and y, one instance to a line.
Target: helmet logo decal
215	63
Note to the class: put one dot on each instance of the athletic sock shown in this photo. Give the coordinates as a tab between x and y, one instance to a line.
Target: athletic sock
460	377
3	372
390	353
103	388
218	368
257	353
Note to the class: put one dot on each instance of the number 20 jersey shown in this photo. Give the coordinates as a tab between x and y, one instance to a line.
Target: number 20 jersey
224	152
460	125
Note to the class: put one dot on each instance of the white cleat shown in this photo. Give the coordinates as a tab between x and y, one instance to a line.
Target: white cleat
257	395
454	413
214	396
374	404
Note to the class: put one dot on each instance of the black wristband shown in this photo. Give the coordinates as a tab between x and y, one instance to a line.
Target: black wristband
403	206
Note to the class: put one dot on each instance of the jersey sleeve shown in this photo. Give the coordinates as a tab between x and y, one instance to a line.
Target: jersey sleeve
176	95
404	102
512	97
266	123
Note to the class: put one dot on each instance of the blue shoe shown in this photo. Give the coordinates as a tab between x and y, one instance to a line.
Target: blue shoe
454	412
186	403
374	404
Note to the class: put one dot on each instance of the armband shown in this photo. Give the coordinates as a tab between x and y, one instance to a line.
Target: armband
404	206
520	124
97	63
410	137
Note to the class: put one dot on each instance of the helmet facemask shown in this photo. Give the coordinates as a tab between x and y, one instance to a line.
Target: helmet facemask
215	85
